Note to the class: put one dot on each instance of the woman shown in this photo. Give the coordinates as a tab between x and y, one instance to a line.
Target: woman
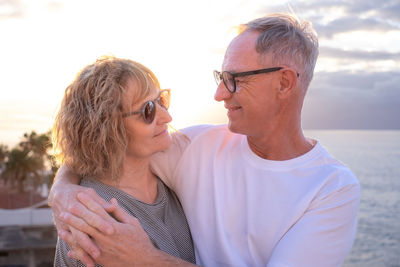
113	117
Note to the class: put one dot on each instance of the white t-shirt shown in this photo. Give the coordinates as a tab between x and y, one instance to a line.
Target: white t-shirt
247	211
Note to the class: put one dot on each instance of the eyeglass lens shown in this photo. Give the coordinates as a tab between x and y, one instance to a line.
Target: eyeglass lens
227	78
229	81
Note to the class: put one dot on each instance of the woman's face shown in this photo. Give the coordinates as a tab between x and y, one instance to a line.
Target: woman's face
145	139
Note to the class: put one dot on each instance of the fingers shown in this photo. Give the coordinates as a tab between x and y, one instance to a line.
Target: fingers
66	236
77	252
59	224
120	214
92	195
77	223
63	199
89	220
85	243
83	257
97	207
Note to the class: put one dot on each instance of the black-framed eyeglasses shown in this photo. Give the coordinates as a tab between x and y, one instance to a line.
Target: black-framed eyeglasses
229	78
148	110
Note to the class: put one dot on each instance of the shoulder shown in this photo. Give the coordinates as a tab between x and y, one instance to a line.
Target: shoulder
337	168
204	130
103	190
181	139
337	175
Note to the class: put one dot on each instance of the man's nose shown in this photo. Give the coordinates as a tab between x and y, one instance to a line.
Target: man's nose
222	93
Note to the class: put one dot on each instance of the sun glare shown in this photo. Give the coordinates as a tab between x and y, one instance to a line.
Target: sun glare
45	43
50	43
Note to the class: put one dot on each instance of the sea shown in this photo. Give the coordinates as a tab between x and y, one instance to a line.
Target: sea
374	157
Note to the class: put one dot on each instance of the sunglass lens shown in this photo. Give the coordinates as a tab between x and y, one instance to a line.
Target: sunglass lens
149	112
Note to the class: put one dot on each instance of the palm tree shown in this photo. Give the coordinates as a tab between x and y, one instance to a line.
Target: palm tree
28	160
3	154
39	145
3	157
21	165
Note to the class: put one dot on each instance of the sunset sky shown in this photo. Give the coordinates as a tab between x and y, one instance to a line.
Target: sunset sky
45	43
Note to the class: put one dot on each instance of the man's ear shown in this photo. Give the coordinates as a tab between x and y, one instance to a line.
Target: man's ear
288	82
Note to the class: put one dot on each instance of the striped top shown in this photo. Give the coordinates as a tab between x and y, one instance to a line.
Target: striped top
164	221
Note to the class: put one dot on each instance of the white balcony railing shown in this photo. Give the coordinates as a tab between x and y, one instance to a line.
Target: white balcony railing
27	216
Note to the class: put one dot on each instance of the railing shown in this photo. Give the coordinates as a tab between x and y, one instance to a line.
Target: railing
32	215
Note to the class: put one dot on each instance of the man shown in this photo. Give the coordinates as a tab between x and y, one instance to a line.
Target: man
257	192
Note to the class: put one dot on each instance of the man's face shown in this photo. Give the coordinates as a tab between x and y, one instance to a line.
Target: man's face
253	108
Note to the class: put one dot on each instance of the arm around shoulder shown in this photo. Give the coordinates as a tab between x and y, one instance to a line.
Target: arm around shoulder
64	178
164	163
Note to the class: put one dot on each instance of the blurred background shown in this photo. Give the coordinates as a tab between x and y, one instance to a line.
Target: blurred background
352	107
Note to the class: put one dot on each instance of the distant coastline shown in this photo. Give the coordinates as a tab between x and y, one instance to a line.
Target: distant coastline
13	137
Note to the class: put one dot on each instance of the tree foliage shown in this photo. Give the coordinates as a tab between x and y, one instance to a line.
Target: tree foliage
29	161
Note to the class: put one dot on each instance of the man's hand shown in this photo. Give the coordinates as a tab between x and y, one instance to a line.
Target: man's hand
128	245
63	199
129	241
76	251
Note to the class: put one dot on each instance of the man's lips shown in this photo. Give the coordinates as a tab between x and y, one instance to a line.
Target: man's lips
233	111
232	108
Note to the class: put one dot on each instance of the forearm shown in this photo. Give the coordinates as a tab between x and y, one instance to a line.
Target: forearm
164	259
63	199
64	177
153	258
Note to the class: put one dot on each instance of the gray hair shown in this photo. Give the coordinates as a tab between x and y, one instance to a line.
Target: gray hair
291	42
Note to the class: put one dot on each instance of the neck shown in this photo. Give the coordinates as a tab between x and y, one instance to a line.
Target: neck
282	143
137	180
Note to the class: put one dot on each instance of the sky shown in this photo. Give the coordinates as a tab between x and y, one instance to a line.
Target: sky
44	43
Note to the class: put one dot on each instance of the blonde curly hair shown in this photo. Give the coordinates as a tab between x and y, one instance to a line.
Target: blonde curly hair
89	136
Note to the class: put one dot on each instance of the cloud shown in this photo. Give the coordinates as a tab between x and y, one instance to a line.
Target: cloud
11	9
357	54
349	24
388	9
17	9
351	15
361	100
54	6
358	81
345	16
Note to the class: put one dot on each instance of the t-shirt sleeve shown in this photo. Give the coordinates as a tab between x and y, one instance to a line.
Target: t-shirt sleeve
164	163
63	260
324	235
